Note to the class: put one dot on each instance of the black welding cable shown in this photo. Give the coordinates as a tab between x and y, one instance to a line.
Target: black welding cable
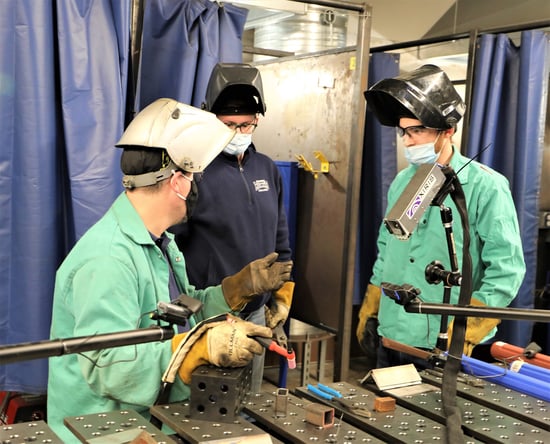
453	363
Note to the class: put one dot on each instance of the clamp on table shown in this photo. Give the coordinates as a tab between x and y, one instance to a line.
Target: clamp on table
335	396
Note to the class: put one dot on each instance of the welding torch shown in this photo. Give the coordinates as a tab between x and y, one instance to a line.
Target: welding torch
279	344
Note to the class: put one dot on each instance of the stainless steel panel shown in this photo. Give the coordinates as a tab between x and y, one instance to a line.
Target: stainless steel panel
309	109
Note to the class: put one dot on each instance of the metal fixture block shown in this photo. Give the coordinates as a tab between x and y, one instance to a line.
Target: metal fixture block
218	393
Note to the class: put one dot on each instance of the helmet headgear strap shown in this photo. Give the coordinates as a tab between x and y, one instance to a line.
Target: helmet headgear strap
130	181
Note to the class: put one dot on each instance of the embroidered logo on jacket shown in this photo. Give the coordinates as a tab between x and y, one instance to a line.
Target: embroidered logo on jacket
261	185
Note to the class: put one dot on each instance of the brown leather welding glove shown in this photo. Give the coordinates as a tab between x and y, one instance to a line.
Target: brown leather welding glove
257	277
278	311
226	344
476	329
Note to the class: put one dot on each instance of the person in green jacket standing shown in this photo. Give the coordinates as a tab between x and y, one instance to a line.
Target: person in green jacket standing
425	108
127	263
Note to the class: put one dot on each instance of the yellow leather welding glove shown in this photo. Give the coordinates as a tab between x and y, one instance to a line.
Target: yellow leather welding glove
226	344
367	328
369	309
476	329
257	277
280	305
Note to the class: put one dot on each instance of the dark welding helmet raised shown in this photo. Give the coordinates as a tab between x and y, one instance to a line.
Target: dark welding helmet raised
234	89
426	94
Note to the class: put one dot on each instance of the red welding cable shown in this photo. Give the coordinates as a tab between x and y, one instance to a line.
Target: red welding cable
507	352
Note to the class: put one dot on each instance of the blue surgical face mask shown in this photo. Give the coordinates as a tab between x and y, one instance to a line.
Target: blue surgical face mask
238	144
422	153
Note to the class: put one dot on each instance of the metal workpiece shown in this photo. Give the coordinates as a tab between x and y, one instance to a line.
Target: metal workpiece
295	429
281	402
115	426
25	432
399	426
195	431
319	414
478	421
510	402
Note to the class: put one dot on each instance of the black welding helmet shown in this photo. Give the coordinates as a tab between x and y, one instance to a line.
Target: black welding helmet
426	94
234	88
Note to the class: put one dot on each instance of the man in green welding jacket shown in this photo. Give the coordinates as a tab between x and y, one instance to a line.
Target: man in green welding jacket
124	265
424	107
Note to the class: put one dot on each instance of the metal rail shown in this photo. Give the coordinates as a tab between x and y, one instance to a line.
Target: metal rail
349	6
58	347
483	312
459	36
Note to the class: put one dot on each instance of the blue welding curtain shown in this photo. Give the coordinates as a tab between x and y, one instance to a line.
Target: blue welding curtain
63	74
62	78
508	112
379	167
182	41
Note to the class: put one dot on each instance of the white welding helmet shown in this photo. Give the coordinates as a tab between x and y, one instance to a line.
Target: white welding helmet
191	137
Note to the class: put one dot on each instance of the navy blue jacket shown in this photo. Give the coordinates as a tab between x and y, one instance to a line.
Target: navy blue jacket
239	217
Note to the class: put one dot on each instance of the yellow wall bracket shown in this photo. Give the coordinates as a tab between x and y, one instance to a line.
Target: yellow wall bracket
306	165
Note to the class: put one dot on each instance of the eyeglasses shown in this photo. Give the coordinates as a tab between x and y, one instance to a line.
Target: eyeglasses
243	128
412	131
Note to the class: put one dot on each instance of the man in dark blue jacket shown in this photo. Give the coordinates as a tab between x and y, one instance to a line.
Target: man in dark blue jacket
240	214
